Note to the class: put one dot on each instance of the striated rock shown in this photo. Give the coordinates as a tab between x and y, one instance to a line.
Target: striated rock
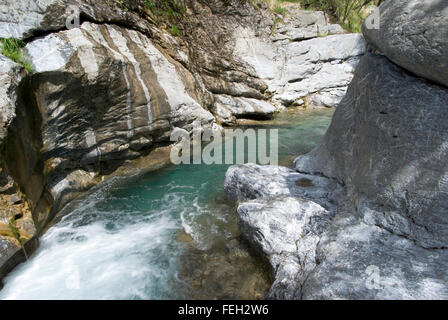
321	67
10	76
229	109
129	90
25	19
383	235
413	34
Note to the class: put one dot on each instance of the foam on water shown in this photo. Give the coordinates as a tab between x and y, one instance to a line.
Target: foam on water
163	235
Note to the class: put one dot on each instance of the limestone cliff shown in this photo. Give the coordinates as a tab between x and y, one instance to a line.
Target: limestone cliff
369	204
113	88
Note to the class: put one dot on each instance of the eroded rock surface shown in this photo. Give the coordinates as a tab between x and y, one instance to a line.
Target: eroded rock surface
384	236
316	70
10	76
413	35
114	88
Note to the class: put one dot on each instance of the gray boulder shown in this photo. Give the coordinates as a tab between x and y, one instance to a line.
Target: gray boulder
283	214
382	229
413	34
387	143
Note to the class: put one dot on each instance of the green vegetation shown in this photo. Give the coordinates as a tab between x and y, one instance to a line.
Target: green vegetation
13	49
14	229
175	31
350	14
168	12
172	10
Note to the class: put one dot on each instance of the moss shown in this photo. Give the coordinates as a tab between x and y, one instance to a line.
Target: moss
14	229
175	31
13	49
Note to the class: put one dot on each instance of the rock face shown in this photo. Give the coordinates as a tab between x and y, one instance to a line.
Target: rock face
113	87
398	165
413	34
10	75
316	70
384	236
283	214
396	227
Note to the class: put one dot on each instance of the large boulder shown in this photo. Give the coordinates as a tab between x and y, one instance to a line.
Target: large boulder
387	143
318	69
413	33
385	235
283	214
10	76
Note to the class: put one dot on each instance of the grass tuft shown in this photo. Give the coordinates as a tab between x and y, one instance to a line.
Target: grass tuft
13	49
350	14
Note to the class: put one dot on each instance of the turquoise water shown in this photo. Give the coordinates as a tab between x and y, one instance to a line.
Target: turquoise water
169	234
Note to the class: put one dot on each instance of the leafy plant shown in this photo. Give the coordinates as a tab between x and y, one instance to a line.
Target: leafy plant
280	10
12	48
175	31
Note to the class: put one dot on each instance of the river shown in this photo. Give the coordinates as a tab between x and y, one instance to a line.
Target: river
169	234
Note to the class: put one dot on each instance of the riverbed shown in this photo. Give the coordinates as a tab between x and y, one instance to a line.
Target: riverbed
169	234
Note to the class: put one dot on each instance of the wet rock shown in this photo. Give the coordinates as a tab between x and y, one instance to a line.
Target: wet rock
283	229
413	33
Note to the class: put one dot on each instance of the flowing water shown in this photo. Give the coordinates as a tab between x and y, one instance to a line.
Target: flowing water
169	234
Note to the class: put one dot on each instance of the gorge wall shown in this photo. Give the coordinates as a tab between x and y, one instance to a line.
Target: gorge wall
114	88
364	215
